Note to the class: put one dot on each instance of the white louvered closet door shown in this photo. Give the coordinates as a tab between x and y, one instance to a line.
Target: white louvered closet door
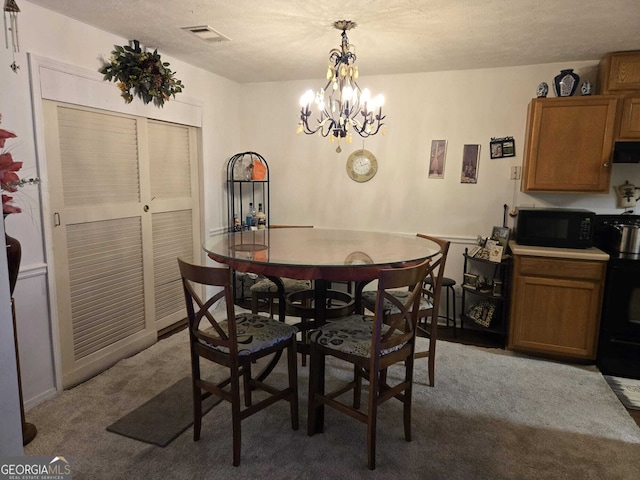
119	225
173	172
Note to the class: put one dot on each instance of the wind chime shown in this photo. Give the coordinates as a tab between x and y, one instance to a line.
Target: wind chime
11	11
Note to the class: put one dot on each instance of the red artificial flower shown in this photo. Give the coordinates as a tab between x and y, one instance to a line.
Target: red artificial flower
8	167
7	207
4	134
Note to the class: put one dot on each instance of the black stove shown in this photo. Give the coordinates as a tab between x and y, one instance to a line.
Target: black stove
619	342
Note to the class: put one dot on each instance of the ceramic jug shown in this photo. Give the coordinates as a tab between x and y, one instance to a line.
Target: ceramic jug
626	194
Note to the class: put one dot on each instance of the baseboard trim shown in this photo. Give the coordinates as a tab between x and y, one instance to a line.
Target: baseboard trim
38	399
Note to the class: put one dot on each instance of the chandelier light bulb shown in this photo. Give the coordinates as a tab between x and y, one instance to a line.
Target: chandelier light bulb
347	93
306	99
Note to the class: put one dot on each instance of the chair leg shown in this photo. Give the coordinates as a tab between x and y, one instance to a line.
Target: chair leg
453	307
372	419
304	338
357	389
254	302
235	415
197	397
315	423
433	335
292	363
408	398
197	412
246	381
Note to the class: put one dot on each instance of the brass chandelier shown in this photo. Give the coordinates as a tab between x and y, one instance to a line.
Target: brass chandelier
343	108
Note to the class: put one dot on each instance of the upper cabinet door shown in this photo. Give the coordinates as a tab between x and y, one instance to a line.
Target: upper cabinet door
569	144
619	72
630	125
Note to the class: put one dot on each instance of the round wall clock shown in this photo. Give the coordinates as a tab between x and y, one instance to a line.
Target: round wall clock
362	165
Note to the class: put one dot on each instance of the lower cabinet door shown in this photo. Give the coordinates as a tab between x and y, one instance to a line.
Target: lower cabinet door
555	316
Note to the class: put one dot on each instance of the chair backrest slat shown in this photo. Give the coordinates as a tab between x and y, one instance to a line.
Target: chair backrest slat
212	277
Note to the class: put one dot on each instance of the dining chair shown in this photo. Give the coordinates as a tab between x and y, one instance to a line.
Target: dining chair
265	289
370	345
428	310
234	342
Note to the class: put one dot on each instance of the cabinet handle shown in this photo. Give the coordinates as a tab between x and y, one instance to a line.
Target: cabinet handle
606	165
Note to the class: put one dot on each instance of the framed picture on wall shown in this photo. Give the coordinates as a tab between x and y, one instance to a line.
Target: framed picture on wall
470	160
502	147
436	161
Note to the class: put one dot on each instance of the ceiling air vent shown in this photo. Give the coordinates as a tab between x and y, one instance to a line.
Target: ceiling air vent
206	33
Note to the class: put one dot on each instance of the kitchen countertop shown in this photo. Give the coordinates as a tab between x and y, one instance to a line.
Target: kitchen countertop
569	253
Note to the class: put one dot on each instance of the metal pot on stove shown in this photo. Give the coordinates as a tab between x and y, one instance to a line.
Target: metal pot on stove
626	238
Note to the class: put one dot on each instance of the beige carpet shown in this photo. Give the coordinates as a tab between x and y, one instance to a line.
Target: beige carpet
492	415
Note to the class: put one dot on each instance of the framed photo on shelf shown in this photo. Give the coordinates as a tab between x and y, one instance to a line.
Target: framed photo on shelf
474	251
502	147
470	280
501	234
495	253
482	314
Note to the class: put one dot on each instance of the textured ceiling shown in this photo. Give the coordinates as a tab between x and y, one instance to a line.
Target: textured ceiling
274	40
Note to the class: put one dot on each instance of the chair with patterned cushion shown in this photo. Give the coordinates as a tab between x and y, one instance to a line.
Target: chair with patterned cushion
371	345
234	342
429	304
265	289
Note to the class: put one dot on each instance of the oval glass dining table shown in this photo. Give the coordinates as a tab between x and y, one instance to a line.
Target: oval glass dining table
318	254
321	255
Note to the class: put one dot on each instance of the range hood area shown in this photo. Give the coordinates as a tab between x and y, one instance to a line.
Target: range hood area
626	152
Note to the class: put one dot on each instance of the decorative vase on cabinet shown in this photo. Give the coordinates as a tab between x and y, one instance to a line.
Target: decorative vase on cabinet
566	83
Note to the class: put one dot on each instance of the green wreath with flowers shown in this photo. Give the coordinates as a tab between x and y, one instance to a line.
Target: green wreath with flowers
141	74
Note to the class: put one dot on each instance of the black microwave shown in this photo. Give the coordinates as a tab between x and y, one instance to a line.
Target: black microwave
555	227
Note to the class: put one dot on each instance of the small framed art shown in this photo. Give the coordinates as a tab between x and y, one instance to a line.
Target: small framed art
470	159
502	147
436	162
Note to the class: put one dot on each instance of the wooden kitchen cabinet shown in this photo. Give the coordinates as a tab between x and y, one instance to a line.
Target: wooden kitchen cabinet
630	123
619	72
569	144
555	306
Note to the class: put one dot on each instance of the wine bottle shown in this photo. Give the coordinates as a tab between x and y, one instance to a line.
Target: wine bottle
254	218
262	218
249	215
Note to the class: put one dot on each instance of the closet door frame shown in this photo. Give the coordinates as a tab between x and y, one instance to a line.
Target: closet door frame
61	82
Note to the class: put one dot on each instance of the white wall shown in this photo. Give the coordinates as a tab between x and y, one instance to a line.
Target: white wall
310	185
309	182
